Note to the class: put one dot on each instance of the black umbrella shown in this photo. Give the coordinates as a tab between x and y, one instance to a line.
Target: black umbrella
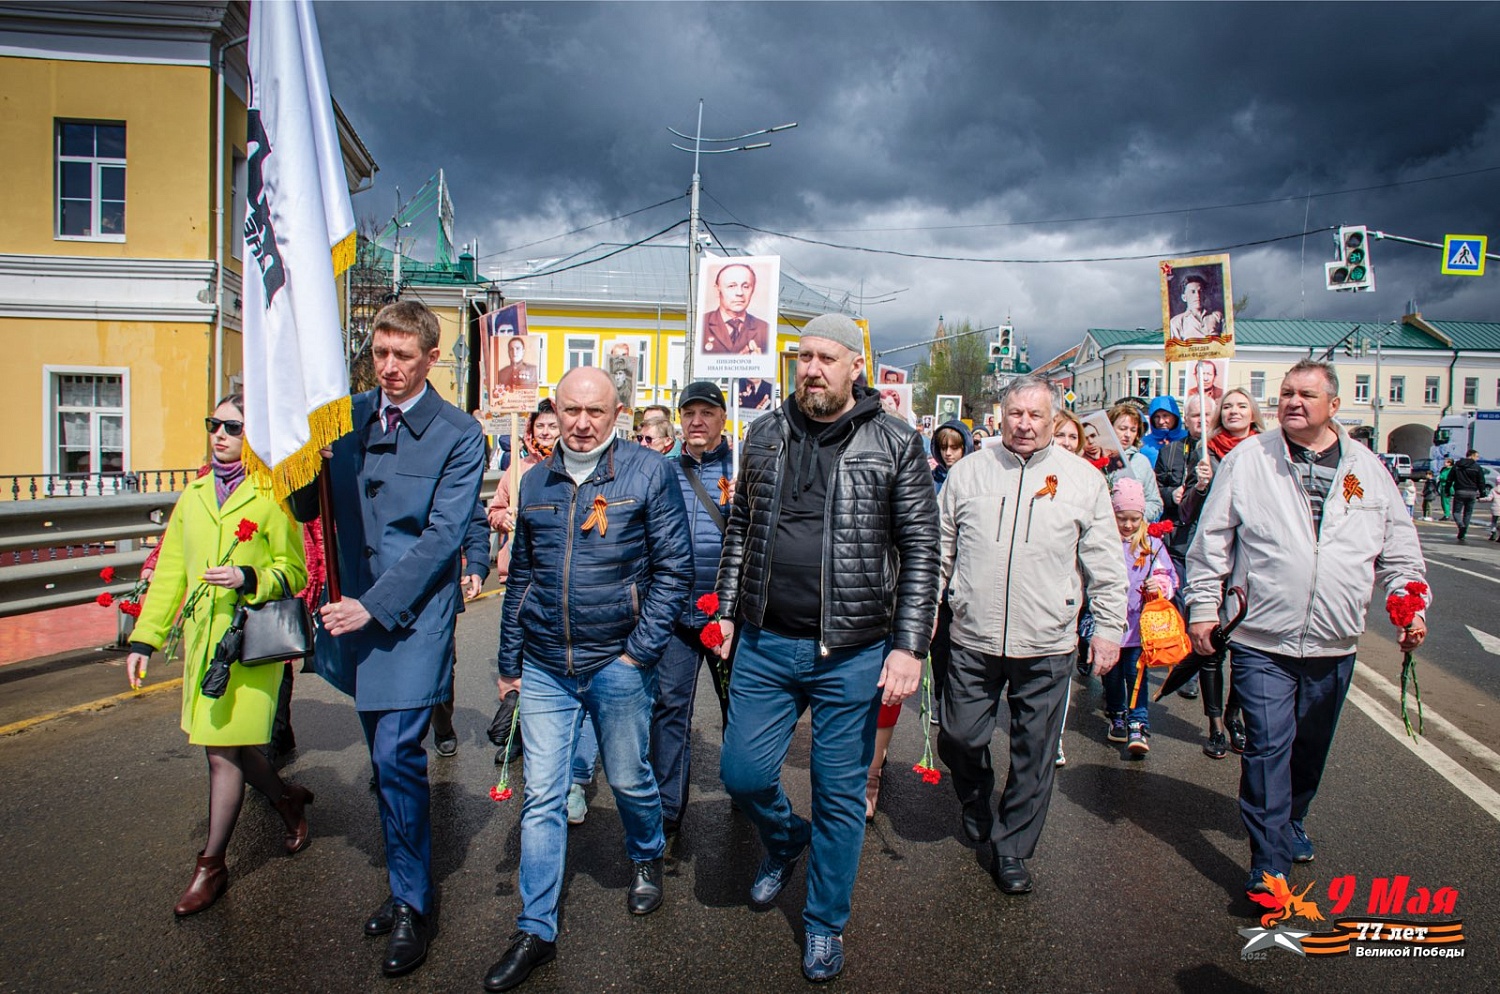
1184	671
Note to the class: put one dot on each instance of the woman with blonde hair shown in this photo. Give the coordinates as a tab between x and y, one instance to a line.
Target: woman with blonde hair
1237	419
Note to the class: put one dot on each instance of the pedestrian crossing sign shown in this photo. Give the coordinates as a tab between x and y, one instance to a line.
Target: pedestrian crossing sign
1463	255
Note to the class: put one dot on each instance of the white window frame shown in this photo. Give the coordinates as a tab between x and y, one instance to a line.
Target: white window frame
1362	388
569	343
1471	391
96	164
676	364
49	412
1258	385
1432	388
643	367
1397	390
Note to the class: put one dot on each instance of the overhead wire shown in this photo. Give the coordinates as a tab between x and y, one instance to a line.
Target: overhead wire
586	227
1022	262
598	258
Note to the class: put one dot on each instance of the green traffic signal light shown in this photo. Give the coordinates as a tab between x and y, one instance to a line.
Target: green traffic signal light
1355	257
1357	273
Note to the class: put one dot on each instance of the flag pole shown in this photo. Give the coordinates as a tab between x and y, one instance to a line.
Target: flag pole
330	540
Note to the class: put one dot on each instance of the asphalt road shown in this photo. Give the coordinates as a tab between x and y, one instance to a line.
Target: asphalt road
1138	873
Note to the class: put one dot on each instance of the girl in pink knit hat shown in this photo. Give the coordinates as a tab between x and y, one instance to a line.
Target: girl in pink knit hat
1149	570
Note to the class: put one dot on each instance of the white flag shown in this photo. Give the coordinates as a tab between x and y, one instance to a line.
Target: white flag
299	235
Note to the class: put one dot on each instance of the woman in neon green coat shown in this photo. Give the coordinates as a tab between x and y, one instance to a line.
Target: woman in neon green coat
265	566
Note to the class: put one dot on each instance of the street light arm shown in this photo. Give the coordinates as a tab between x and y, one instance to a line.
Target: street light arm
716	151
737	138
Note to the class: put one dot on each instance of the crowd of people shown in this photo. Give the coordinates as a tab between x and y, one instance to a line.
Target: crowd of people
845	552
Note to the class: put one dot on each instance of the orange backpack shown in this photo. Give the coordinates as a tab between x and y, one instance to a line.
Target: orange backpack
1164	639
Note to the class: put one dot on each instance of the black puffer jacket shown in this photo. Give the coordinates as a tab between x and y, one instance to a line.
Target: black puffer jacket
880	535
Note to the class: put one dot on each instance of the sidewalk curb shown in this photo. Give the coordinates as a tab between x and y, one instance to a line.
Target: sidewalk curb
16	727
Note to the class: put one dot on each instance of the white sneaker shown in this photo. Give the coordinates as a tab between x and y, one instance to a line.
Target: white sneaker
578	805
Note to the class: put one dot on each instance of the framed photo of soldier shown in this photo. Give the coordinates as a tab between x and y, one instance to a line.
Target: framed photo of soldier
737	315
950	407
1197	312
510	361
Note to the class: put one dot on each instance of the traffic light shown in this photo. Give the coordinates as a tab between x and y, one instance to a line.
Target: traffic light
1351	270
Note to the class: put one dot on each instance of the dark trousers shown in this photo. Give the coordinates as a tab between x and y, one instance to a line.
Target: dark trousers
942	650
1291	709
1463	511
395	741
1036	689
282	739
672	720
442	711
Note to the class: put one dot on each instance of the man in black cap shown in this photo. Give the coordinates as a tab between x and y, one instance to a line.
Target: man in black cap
704	474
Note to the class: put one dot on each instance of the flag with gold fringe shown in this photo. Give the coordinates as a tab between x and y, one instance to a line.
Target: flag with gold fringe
299	236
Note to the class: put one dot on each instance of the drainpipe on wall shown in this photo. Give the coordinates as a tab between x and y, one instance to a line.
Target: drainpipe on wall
218	366
1449	406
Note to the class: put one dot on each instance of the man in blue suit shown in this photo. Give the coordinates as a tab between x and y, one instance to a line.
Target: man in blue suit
405	487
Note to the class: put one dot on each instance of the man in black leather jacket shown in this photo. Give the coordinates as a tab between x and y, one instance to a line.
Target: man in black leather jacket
830	572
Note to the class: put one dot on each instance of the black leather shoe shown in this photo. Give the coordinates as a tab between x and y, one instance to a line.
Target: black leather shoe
1011	875
977	820
382	921
407	947
645	888
445	745
526	953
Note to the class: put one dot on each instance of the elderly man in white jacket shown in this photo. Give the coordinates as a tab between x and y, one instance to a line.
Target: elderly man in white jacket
1020	522
1305	519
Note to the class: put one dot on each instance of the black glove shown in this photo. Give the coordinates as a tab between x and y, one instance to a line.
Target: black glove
216	680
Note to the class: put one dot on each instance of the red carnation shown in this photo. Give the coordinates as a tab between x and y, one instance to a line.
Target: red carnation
131	608
497	795
245	530
107	574
709	603
1417	588
1160	529
712	635
929	775
105	599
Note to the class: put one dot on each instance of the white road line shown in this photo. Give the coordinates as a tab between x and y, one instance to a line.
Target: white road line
1486	641
1439	562
1467	783
1389	689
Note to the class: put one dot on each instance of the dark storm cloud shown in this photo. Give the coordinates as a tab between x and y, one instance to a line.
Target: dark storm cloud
551	115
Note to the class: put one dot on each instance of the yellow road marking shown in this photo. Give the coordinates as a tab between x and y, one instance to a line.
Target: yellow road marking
99	705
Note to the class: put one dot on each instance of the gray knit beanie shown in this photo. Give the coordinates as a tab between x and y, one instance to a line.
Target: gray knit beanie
836	328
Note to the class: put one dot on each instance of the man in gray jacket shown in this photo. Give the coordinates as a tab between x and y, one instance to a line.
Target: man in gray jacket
1019	520
1305	520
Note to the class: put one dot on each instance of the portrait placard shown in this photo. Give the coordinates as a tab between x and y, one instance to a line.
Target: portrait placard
1197	316
950	407
895	398
509	361
737	315
1100	441
891	374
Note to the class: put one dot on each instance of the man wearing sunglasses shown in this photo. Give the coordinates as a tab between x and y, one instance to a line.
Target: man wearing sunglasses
405	492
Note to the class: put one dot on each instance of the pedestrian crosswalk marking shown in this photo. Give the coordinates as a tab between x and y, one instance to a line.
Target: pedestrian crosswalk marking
1462	256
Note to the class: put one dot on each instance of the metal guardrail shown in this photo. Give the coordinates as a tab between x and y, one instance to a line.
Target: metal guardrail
35	486
36	527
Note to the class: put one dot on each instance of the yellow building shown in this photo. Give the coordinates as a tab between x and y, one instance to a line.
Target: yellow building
119	252
638	298
1395	380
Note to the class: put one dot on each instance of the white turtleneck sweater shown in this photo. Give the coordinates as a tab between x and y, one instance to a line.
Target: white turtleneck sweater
580	465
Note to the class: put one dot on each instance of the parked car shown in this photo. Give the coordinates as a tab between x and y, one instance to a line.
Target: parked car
1399	464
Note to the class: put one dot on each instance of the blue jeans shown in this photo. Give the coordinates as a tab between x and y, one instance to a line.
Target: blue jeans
618	698
773	681
1120	681
1291	709
585	750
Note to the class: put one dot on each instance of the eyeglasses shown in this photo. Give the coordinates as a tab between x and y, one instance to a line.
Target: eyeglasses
234	429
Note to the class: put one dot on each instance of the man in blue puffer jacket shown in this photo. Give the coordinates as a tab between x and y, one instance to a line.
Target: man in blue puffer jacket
705	466
601	570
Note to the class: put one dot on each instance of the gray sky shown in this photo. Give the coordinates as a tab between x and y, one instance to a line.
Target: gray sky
1013	131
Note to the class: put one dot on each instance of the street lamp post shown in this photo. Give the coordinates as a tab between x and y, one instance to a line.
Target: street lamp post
1377	399
693	216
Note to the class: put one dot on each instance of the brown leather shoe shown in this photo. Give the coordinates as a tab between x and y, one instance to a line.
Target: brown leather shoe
293	805
210	879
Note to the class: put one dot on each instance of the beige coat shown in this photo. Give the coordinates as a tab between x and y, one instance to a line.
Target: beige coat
1018	560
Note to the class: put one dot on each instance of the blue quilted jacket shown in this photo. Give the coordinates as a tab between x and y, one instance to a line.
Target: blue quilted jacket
577	599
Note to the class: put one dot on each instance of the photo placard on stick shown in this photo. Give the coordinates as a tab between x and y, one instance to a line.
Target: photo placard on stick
509	360
950	407
895	398
1197	313
737	315
891	374
1101	443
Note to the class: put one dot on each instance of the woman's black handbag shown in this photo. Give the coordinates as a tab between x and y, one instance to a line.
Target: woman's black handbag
275	631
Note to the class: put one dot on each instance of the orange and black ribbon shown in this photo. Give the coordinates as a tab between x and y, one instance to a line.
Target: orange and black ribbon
1352	488
723	490
598	517
1048	490
1381	931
